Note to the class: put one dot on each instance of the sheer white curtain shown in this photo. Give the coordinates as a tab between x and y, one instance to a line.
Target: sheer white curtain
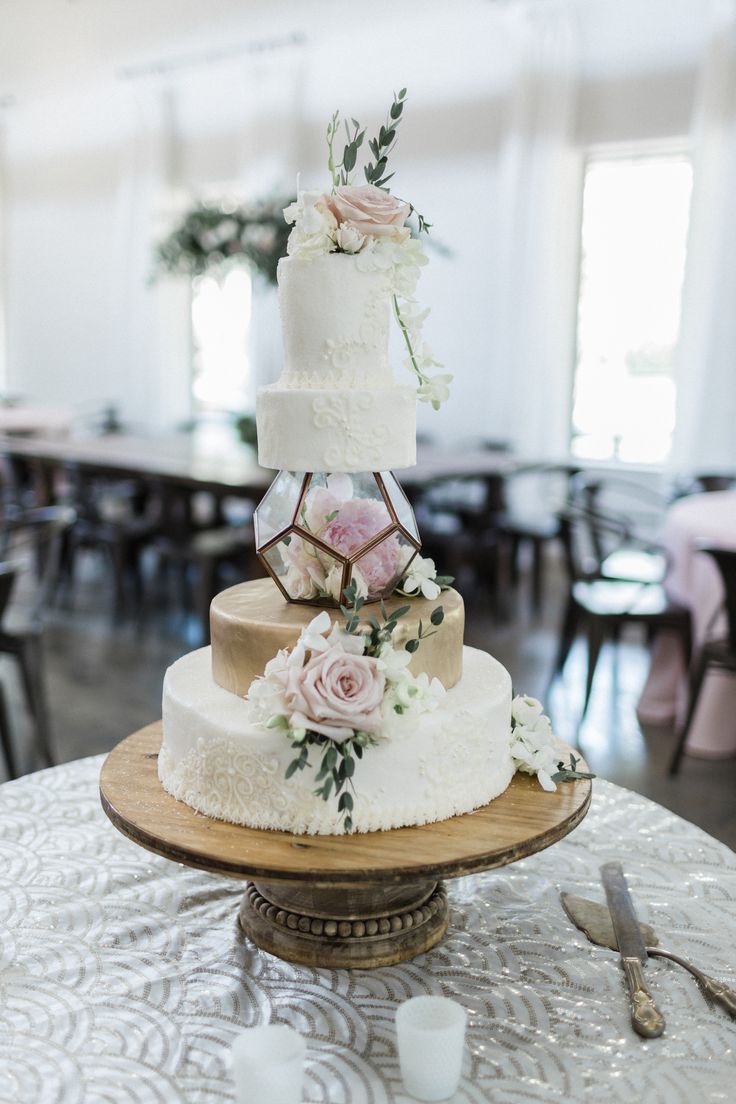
540	195
705	433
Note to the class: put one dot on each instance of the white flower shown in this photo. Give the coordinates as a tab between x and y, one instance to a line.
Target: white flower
349	238
393	661
526	710
312	638
314	226
376	256
265	695
435	390
352	643
420	577
533	746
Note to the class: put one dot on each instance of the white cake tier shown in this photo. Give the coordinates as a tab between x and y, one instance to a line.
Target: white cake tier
448	762
336	430
334	320
336	406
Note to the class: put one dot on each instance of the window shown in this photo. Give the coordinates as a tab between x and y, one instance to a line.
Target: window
633	242
221	311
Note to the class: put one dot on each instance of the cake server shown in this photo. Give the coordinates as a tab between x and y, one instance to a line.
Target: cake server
646	1019
594	921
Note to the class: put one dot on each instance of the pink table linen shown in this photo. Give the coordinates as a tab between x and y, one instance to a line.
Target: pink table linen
693	580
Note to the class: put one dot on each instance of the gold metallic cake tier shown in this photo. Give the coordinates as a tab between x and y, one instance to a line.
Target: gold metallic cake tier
250	622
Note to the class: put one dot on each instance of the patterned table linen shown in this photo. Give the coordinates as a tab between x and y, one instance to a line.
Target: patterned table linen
124	977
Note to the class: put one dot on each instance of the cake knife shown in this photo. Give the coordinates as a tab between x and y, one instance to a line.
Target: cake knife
646	1019
594	921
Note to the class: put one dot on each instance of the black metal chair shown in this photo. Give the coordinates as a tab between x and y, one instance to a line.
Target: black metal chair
31	538
713	654
602	606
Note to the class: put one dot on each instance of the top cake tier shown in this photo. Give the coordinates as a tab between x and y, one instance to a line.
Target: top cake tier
336	406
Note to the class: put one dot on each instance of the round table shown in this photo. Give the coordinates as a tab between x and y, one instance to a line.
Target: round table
694	581
124	976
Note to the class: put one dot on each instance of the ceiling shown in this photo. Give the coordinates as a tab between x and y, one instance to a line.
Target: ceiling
52	45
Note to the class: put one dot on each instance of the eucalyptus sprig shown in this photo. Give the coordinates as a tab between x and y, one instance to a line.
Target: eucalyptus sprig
383	143
336	768
571	773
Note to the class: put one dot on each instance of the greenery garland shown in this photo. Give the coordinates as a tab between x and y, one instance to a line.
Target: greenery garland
209	237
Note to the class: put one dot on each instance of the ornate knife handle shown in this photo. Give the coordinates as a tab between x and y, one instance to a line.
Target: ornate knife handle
646	1019
712	988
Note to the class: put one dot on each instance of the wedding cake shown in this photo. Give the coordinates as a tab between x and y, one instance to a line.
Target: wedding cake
338	694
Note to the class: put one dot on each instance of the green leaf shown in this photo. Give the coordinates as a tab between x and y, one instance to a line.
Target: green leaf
395	111
402	93
331	757
373	622
345	802
400	612
411	645
358	749
438	616
348	824
292	768
348	767
332	516
349	157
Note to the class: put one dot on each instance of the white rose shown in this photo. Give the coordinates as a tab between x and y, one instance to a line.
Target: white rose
349	238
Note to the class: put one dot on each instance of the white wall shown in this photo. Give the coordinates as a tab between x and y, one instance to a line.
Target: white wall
91	174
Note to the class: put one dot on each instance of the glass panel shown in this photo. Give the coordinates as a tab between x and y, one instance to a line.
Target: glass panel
305	571
275	512
400	503
378	571
344	511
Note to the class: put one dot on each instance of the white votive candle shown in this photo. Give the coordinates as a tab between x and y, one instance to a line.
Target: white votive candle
268	1065
431	1037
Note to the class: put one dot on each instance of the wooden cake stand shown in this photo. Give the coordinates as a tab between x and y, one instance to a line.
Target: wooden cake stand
363	900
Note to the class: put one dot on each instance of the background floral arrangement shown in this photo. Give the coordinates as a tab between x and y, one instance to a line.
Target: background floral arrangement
211	236
367	222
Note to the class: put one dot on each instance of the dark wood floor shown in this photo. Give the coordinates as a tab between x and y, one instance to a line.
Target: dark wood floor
104	682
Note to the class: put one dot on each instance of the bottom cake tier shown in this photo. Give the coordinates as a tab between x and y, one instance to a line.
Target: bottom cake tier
450	761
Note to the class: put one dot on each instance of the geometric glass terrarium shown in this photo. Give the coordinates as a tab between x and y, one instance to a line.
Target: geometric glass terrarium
317	531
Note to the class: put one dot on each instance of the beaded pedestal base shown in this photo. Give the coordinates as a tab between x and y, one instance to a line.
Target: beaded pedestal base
359	927
363	900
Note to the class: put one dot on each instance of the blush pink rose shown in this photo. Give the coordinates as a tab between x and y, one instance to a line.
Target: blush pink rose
368	209
335	693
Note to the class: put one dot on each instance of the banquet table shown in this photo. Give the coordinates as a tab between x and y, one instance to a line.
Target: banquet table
124	977
218	462
694	581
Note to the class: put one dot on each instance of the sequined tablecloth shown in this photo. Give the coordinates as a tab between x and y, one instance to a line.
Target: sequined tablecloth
124	977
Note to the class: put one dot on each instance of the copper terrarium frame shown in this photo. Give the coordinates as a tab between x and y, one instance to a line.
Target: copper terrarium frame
348	560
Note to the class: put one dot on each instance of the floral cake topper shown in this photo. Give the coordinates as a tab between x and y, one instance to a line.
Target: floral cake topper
366	221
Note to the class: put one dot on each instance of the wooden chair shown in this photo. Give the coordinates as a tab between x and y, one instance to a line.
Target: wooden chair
35	535
111	518
529	517
602	606
713	654
200	556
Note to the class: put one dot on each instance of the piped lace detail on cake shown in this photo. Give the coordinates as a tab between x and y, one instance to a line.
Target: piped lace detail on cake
221	780
352	443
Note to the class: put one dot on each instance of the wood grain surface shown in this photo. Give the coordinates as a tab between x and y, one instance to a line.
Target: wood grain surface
522	821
